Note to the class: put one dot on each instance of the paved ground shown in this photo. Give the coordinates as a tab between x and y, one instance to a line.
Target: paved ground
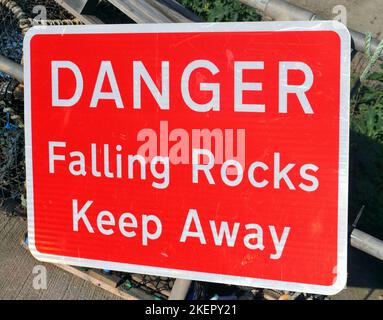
362	15
16	277
16	266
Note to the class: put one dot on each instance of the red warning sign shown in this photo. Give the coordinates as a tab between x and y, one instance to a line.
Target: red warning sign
215	152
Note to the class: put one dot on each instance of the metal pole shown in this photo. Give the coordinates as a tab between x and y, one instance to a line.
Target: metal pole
280	10
367	243
180	289
284	11
12	68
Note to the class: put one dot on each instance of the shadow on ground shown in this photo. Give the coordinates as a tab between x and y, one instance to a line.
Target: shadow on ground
366	188
366	183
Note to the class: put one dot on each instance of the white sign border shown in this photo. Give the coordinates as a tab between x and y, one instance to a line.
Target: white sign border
335	26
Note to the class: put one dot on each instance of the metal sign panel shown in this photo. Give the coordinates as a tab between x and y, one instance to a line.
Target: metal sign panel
215	152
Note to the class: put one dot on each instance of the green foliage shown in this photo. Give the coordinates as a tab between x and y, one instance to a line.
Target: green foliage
378	76
221	10
367	108
368	119
366	156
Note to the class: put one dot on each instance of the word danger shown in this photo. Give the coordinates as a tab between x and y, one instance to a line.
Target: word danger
222	233
106	74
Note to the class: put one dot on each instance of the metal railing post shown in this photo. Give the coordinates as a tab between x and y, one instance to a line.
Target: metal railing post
180	289
366	243
14	69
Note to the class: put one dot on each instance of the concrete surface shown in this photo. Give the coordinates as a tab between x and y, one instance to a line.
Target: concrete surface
16	266
362	15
